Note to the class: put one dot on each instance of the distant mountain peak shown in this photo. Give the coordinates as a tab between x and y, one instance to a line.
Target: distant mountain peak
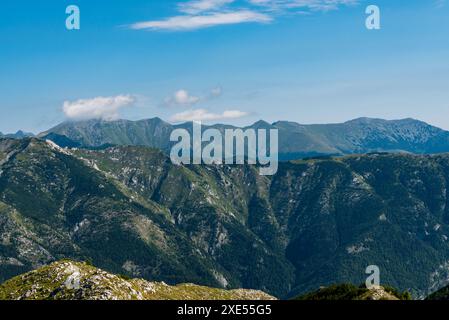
18	135
368	120
261	124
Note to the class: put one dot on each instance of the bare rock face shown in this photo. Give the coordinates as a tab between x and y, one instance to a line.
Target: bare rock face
378	293
69	280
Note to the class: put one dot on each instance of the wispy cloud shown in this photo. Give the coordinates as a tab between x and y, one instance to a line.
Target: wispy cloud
198	6
313	5
189	22
183	98
205	115
105	108
197	14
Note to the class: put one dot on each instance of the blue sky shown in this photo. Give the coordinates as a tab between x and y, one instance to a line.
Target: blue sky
309	61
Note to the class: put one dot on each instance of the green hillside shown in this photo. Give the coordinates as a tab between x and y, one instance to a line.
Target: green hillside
316	223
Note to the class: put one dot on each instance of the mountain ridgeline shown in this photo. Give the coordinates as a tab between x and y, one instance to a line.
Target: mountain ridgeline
317	222
18	135
296	141
70	280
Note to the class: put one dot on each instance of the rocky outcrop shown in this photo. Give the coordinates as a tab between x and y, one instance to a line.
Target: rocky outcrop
69	280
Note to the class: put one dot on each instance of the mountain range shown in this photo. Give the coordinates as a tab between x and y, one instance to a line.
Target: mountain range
18	135
296	141
317	222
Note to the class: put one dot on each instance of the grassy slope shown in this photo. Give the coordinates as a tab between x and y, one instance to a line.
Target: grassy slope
68	280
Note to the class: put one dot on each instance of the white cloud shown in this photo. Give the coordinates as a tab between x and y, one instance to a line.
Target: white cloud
315	5
192	22
181	98
204	115
198	6
196	14
105	108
